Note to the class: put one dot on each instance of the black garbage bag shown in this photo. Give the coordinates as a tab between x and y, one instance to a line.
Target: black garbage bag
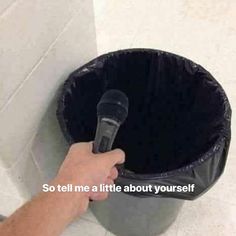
178	128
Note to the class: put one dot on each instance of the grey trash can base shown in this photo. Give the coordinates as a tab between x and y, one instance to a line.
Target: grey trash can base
126	215
177	132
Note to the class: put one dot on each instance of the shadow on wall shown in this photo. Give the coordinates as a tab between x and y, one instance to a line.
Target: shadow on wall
49	146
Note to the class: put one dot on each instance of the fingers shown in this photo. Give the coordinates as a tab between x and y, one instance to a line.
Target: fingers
90	146
109	181
112	158
100	196
81	148
113	173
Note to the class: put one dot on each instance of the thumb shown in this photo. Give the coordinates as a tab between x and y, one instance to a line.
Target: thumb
111	158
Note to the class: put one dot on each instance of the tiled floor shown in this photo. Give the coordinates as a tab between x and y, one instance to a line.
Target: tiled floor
204	31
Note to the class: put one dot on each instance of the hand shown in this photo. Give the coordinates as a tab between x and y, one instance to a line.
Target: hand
83	167
49	213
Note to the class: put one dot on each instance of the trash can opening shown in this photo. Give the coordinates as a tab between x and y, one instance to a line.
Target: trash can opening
175	112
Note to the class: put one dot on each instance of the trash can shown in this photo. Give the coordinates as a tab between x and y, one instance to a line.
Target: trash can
177	132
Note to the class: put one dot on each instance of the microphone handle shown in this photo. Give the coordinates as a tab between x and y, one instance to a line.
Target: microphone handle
105	135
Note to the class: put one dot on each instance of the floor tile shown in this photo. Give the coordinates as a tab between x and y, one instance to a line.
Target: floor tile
84	228
206	216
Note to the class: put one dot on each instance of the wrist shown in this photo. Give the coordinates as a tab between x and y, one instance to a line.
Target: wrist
76	202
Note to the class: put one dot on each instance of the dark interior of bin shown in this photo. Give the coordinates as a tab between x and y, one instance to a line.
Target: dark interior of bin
175	109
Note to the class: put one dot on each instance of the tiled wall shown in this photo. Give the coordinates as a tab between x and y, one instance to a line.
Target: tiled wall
41	42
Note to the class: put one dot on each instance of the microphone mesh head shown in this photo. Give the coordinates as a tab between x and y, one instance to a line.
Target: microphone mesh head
114	105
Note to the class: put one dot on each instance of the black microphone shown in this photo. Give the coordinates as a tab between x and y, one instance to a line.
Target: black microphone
112	111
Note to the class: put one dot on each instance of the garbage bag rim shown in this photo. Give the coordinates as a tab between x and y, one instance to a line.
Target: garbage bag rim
126	174
224	133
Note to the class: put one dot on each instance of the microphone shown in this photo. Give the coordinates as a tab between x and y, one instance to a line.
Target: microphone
112	110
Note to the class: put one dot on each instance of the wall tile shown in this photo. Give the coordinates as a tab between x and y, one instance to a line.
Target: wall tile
7	186
113	32
21	118
26	176
27	31
49	146
9	203
23	179
4	5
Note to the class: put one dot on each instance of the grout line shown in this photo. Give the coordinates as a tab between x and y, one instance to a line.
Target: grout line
8	8
36	65
26	146
36	164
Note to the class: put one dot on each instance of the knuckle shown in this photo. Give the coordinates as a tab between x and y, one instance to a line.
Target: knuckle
78	146
119	153
73	146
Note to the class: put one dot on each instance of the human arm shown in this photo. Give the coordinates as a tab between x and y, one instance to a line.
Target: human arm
49	213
